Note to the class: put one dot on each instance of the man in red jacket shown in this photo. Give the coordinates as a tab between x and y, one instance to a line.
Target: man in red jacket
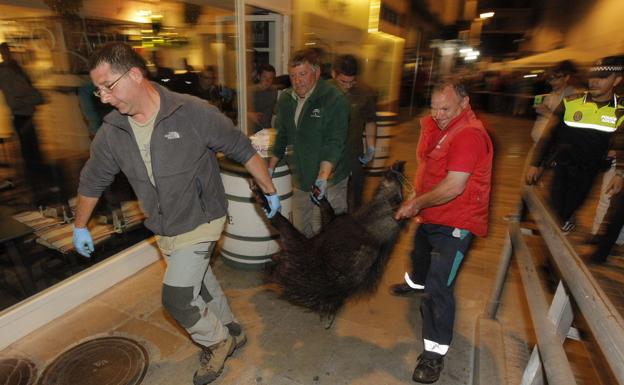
452	184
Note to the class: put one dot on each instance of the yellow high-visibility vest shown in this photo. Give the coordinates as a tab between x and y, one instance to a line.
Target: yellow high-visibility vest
583	114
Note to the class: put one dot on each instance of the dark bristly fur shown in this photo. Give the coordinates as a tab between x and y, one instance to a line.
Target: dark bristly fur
349	255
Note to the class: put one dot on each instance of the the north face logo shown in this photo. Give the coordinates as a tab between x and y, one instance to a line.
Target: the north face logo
172	135
316	113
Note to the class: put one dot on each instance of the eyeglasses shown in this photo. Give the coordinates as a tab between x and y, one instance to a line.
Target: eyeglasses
109	89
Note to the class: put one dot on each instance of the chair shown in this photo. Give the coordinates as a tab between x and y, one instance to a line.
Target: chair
130	217
38	219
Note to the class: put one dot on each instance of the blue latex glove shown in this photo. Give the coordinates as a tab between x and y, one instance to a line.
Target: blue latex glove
83	243
368	155
318	190
274	205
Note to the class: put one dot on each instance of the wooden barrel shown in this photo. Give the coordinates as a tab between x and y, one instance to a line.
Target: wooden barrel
386	120
249	241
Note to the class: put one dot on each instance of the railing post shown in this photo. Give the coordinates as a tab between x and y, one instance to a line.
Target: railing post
555	361
503	266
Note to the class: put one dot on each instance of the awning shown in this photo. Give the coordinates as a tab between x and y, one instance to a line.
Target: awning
580	56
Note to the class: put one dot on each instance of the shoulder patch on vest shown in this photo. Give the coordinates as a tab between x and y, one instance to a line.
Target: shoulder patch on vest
578	115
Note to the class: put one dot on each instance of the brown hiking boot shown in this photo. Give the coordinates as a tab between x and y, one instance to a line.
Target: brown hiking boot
212	361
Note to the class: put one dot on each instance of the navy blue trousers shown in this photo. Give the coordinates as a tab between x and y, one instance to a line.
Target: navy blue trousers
436	258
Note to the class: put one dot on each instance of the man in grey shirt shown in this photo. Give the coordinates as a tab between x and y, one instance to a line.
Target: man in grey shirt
166	145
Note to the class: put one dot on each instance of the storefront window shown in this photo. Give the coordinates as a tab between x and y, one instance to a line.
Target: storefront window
266	72
189	48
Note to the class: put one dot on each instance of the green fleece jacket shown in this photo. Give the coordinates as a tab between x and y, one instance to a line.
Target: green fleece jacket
320	134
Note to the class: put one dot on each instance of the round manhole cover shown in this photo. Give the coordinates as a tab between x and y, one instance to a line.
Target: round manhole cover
17	371
103	361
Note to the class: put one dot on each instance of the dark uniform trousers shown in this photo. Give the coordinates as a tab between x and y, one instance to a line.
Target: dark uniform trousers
569	188
356	185
436	258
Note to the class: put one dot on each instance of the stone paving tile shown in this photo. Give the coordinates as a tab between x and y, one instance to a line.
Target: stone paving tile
392	364
90	320
164	344
164	321
239	373
145	288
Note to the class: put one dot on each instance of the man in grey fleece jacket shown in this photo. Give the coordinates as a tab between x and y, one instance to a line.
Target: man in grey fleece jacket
166	143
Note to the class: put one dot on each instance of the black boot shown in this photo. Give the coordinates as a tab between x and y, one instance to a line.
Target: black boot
403	290
428	370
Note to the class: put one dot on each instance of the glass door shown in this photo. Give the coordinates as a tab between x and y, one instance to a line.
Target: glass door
267	36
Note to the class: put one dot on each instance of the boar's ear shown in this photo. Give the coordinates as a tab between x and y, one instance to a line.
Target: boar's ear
257	195
398	166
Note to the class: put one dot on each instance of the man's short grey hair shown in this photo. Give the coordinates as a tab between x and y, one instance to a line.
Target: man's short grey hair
455	85
309	56
120	56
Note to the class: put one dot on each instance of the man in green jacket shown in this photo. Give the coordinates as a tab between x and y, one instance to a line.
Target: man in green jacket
312	120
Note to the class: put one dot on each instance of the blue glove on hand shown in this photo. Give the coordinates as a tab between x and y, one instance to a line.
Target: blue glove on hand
318	190
83	243
274	205
368	156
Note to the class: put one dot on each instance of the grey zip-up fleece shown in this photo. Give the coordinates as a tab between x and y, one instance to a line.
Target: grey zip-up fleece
188	132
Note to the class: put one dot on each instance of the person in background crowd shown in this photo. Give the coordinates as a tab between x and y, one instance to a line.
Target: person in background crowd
607	230
264	96
187	67
183	196
362	120
522	89
606	193
282	82
604	204
312	120
453	183
22	98
612	229
577	139
162	75
559	79
91	107
216	94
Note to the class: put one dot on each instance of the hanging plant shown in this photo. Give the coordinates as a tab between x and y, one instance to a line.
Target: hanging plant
67	8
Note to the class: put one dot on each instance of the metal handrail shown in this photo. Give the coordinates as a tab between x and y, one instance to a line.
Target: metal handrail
555	361
603	318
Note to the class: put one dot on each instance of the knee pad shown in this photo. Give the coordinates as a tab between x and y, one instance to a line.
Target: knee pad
204	293
177	301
